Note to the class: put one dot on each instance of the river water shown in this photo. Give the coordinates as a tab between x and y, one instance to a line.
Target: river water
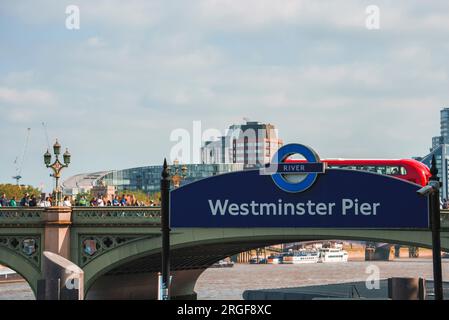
230	283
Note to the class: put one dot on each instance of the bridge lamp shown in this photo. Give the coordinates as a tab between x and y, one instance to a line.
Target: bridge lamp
47	158
57	148
57	167
67	156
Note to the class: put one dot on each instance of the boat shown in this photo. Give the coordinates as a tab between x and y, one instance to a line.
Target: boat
301	256
274	259
258	260
333	255
223	264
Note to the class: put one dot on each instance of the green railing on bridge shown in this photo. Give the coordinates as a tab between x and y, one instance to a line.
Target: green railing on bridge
21	216
116	215
105	216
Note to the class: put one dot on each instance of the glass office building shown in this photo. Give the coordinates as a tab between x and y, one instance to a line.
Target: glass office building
440	148
148	178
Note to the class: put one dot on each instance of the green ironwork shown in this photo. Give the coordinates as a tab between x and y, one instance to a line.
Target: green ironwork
27	246
92	246
20	216
116	216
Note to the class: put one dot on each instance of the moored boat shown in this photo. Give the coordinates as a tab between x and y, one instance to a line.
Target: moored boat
333	255
274	259
302	256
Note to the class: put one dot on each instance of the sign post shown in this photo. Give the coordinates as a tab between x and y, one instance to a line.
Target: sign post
435	225
165	222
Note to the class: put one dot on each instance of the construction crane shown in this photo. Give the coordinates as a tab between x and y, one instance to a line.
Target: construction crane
18	162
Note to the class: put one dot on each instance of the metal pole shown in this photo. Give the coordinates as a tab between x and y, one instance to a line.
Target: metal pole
435	225
57	191
165	221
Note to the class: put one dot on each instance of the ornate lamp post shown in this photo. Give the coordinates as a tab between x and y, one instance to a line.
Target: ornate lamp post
57	166
177	173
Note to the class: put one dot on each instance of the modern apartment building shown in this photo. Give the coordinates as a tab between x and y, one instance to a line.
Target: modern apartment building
252	144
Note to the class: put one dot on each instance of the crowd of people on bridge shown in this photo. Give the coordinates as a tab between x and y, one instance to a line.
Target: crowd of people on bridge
26	201
114	201
101	201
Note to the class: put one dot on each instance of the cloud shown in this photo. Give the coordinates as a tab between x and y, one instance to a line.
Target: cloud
30	96
95	42
138	69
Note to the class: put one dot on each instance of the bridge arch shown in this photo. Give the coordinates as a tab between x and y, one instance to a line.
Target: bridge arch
22	266
226	241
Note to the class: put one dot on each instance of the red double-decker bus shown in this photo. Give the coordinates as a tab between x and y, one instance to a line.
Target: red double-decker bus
406	169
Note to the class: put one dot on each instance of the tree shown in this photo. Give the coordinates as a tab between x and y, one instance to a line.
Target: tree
86	194
12	190
139	194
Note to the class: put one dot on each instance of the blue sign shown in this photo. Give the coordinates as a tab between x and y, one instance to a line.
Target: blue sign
310	168
337	198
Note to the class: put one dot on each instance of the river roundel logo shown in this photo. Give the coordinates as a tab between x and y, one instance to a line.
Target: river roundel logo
296	175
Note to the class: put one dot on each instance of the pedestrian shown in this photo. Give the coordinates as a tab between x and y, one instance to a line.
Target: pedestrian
115	201
133	200
33	201
47	202
123	201
66	202
100	202
3	200
44	203
82	201
12	202
25	201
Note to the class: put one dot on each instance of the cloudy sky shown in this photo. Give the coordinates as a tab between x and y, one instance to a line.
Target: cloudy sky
114	90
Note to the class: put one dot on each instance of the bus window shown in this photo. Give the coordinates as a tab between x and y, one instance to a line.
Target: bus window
381	170
403	171
392	170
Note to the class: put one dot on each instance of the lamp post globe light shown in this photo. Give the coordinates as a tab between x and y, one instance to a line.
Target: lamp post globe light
57	167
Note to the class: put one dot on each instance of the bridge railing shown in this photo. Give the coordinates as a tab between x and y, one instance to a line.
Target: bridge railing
21	215
116	215
105	215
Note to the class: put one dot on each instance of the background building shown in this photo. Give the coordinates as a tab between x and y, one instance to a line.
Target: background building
146	179
252	144
244	146
440	148
81	183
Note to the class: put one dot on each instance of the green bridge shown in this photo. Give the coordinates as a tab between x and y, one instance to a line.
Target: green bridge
119	248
